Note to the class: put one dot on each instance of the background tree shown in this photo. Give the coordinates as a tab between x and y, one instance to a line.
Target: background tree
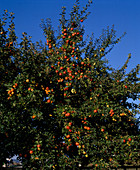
66	106
8	71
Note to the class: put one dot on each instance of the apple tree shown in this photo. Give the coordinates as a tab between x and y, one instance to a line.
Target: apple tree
67	106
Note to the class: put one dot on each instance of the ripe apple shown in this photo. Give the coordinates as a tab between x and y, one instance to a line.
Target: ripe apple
70	123
31	152
20	155
129	139
67	114
33	116
66	88
68	136
67	41
88	128
38	146
77	144
66	78
67	127
25	155
48	101
70	71
95	111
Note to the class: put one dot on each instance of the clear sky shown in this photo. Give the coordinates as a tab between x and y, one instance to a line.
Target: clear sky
124	14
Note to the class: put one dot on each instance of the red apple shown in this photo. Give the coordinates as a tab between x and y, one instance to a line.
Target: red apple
67	127
20	155
129	139
76	143
67	114
66	78
48	101
25	155
70	123
67	41
31	152
102	130
61	68
38	146
95	111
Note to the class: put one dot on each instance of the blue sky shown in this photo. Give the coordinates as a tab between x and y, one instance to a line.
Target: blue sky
124	14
